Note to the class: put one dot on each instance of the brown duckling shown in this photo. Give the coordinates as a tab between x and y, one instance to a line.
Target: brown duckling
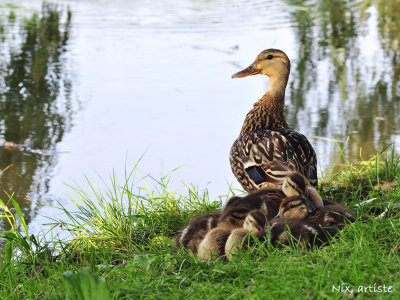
213	244
266	200
305	233
254	223
295	223
195	231
269	199
232	217
265	139
329	215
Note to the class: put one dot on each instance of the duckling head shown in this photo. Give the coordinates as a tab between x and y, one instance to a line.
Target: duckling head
233	217
255	221
270	62
298	185
237	208
294	207
294	184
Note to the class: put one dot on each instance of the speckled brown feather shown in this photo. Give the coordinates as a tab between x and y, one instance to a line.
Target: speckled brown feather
265	137
263	147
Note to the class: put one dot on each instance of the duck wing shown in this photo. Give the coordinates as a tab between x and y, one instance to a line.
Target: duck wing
263	158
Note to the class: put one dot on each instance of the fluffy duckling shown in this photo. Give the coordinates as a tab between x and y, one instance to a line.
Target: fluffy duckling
254	223
329	215
213	244
293	231
269	200
232	217
265	139
195	231
295	223
297	185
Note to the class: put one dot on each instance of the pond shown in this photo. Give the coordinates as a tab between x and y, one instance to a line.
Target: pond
95	86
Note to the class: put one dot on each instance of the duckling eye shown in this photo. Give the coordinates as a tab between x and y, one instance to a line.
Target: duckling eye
239	217
269	57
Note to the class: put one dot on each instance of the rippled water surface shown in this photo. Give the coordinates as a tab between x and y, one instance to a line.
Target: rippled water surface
120	79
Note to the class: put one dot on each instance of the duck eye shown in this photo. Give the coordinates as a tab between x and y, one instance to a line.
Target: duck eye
269	57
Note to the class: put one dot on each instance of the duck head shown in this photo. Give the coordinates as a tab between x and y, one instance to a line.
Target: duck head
270	62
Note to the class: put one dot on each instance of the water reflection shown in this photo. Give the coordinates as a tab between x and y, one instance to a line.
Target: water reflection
31	109
349	88
173	63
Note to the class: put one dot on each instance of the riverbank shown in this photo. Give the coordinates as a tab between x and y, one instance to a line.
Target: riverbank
122	247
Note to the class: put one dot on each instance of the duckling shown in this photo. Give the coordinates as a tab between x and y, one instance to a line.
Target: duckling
305	233
297	207
254	223
269	199
294	222
266	200
265	139
213	244
232	217
195	231
297	185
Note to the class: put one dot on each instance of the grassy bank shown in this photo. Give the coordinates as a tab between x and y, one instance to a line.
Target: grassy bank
122	247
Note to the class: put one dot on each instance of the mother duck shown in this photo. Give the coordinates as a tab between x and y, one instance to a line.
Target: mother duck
266	149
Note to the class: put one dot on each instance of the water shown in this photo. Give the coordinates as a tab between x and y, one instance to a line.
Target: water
128	78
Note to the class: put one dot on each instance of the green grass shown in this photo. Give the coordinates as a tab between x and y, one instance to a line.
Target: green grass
122	247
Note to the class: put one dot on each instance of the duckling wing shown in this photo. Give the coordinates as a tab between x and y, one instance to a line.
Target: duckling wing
261	158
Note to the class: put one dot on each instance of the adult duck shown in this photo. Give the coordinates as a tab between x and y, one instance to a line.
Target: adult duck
265	141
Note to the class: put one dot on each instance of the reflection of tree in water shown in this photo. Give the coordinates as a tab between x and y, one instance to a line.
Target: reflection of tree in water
389	31
33	110
304	72
361	88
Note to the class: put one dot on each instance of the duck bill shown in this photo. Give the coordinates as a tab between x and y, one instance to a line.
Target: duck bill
310	206
278	216
250	70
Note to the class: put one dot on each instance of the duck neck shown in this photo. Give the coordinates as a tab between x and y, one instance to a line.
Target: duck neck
268	112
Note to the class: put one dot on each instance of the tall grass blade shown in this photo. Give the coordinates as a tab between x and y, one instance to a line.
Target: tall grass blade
19	212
